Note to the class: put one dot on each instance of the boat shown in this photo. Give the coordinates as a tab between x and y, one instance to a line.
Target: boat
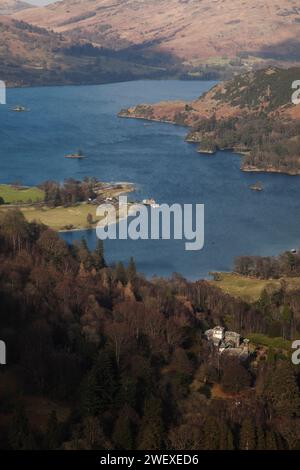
151	202
77	156
257	186
19	109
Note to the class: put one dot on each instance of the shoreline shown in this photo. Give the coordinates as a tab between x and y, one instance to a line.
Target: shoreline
253	169
72	218
189	139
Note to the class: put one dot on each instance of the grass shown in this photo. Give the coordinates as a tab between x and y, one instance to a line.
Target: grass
274	343
250	289
58	218
245	288
63	218
12	194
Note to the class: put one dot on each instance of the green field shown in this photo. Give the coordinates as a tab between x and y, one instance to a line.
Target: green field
275	343
250	289
57	218
63	218
13	195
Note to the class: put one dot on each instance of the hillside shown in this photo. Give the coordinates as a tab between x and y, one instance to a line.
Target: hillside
124	363
252	114
195	31
8	7
30	55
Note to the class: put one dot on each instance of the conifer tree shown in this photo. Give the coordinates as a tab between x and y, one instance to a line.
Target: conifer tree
284	391
120	273
123	435
131	271
212	433
90	394
151	431
98	256
270	441
20	436
52	437
247	435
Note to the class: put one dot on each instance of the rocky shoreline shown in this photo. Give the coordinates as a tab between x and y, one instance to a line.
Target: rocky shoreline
193	138
237	115
282	171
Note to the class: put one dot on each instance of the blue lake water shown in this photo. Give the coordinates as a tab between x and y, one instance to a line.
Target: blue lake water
156	158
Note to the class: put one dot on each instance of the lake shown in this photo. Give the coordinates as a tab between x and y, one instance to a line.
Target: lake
162	165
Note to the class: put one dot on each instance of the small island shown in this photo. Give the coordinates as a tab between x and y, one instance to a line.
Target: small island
76	156
257	186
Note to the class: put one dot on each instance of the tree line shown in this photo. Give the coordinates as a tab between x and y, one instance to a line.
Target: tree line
69	192
269	267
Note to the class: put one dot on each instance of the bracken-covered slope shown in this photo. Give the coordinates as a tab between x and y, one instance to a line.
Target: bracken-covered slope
30	55
190	29
26	52
253	113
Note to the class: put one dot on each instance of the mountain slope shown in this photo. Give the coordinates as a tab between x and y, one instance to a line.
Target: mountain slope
252	114
30	55
190	29
8	7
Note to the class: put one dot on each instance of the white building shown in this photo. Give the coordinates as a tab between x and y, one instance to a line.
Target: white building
228	341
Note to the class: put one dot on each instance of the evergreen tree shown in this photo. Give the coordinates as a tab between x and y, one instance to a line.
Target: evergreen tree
106	379
212	433
84	254
151	431
127	392
93	434
123	435
120	273
131	271
283	390
98	256
226	436
20	437
52	438
270	441
90	394
247	435
260	438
